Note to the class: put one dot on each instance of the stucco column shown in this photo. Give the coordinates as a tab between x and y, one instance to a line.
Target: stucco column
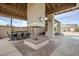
34	12
50	29
35	31
77	4
59	28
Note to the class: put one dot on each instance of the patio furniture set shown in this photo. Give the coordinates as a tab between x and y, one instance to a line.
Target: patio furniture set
18	35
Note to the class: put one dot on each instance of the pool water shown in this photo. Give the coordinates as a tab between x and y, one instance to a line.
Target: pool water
73	36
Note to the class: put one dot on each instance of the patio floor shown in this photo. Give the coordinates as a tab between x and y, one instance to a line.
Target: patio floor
58	46
68	47
8	49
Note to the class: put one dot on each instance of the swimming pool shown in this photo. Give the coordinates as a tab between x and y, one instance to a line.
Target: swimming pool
73	36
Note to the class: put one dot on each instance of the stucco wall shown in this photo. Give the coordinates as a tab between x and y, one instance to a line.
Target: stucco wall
20	29
68	29
5	29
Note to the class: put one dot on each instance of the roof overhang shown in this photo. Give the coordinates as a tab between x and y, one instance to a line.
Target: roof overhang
19	10
14	10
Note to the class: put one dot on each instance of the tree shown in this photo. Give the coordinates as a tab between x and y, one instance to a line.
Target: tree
77	29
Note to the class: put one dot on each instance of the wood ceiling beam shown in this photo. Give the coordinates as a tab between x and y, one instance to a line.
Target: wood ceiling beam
53	6
10	8
60	9
48	7
9	13
65	4
58	5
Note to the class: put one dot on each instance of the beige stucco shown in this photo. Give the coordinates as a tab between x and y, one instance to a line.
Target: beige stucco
50	29
69	27
5	29
34	12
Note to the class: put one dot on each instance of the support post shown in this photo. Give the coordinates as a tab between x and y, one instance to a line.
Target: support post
50	29
59	28
11	27
77	4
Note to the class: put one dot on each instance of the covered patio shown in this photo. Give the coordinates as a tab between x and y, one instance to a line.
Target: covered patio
39	37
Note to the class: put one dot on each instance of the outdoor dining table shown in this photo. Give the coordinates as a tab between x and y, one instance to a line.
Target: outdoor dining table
14	36
20	35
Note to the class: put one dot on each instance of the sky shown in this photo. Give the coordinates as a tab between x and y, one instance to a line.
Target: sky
65	18
15	22
69	17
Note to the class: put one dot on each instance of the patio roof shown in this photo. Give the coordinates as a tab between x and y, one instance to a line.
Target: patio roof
55	7
19	10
